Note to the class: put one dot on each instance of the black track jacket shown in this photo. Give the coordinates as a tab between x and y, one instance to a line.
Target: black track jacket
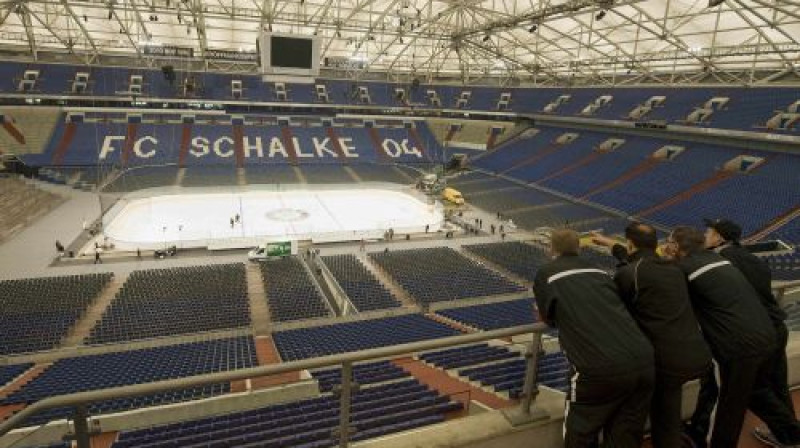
733	321
656	293
757	272
596	332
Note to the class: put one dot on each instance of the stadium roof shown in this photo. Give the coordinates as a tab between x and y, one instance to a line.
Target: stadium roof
467	39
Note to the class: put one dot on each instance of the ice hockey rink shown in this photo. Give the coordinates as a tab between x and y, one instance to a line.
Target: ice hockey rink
196	217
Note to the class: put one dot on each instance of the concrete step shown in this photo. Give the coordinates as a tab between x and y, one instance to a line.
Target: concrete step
301	177
394	287
94	314
353	174
259	311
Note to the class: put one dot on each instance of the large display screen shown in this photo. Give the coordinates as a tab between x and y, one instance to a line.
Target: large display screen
291	52
288	54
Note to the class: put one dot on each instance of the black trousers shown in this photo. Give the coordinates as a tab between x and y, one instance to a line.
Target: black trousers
770	399
665	409
614	405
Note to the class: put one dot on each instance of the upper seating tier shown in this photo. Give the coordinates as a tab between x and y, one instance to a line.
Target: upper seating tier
747	108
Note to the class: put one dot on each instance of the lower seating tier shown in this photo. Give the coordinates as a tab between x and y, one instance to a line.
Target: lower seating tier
86	373
375	411
492	316
325	340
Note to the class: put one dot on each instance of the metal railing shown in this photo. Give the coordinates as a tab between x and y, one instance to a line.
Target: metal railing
80	401
784	288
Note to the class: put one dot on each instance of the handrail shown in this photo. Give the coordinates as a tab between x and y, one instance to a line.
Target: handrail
782	287
85	398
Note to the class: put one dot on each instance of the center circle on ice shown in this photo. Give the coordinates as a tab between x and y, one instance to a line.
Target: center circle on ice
287	214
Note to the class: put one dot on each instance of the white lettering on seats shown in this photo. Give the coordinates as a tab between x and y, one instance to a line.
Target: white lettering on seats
256	145
322	146
137	147
200	147
275	146
108	145
218	146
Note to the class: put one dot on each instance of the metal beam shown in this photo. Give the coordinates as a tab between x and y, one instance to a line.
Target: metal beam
78	22
24	17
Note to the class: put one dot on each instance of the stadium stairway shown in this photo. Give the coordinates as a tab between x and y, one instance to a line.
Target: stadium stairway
387	281
104	440
535	157
29	129
267	354
450	323
699	187
776	224
18	383
180	176
495	267
301	178
356	178
517	211
446	385
94	313
325	289
586	160
404	174
636	171
259	311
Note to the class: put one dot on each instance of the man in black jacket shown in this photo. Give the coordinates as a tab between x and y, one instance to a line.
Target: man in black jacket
611	358
770	400
656	294
735	325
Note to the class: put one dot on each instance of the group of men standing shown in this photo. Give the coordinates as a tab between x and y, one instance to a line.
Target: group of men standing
636	338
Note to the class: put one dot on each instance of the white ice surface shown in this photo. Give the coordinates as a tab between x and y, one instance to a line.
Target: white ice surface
197	220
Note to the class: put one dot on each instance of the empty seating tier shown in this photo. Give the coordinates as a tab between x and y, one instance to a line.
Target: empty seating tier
793	317
36	313
325	340
509	376
8	373
441	274
602	260
470	355
508	199
789	232
379	173
164	302
784	267
363	289
517	257
94	372
326	174
370	373
21	204
210	176
375	411
142	177
561	215
291	293
492	316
